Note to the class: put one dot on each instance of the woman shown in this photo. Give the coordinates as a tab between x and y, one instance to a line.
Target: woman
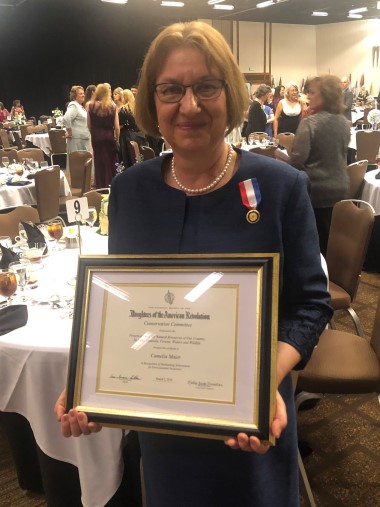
89	95
257	119
268	110
279	93
3	113
288	111
118	97
103	123
320	149
75	121
17	109
192	90
128	128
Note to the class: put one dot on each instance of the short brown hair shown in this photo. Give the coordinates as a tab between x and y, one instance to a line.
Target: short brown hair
74	90
262	90
331	92
218	55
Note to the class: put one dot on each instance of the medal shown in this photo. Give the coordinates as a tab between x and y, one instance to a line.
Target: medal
251	198
253	216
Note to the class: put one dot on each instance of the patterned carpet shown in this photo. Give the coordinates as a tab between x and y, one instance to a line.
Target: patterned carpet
342	436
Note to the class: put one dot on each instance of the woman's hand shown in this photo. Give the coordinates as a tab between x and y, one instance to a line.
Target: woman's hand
253	444
69	133
74	423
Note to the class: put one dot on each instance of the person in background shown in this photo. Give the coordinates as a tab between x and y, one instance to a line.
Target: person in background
128	128
289	111
89	95
363	95
17	109
188	202
257	119
103	123
4	113
269	114
348	98
134	89
320	149
118	97
75	121
279	93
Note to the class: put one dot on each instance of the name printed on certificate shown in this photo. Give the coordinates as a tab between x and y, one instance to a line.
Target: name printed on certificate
156	343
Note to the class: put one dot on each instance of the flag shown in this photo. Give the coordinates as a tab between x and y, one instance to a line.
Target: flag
349	78
302	84
371	89
280	82
362	80
356	88
272	84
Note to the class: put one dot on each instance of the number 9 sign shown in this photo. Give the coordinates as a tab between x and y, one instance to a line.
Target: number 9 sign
77	209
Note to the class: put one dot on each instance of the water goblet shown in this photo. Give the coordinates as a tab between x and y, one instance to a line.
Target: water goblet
21	270
251	139
5	161
44	165
8	284
92	216
55	230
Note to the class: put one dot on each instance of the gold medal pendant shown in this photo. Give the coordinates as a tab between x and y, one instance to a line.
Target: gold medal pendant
253	216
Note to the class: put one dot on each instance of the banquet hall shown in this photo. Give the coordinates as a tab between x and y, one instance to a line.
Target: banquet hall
48	47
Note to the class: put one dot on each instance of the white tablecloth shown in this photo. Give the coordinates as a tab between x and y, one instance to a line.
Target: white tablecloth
33	369
357	114
371	190
11	197
42	141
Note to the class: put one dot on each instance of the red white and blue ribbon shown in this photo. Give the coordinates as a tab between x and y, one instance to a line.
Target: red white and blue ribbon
251	198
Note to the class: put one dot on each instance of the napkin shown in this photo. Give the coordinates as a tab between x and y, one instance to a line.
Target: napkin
7	257
13	317
34	235
18	183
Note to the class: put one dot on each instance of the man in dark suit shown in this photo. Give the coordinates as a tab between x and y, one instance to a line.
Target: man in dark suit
348	97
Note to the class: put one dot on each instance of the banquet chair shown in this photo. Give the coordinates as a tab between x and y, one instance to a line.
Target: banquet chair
4	139
136	149
94	198
286	139
356	172
363	122
58	143
267	151
37	129
10	153
80	166
18	142
47	183
9	222
350	232
367	145
23	132
146	152
34	153
342	363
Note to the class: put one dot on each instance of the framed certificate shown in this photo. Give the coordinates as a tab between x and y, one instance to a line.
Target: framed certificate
181	344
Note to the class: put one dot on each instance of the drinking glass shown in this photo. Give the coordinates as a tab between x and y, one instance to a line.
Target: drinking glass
8	284
92	216
55	230
251	139
21	270
44	164
33	252
5	161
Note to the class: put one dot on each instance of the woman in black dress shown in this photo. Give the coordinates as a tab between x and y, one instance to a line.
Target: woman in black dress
128	128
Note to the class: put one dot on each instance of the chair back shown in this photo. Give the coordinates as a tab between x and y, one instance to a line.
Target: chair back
367	145
267	151
47	183
286	139
35	153
9	222
57	141
350	232
79	172
11	154
146	152
375	338
356	172
18	141
24	132
94	199
37	129
4	138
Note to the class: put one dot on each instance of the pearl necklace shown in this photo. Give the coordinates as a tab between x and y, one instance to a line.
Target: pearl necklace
211	185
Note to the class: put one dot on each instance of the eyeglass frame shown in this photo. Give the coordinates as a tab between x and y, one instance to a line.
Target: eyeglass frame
222	83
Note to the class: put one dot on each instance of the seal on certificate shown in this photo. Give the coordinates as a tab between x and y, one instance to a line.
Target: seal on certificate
253	216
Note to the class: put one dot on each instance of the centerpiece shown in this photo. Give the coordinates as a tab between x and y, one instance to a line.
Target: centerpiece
373	118
103	216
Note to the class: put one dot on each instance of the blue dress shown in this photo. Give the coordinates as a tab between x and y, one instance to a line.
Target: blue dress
148	216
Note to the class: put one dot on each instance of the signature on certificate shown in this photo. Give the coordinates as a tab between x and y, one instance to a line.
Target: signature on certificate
125	378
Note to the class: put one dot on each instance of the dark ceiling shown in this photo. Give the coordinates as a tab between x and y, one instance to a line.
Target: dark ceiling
285	11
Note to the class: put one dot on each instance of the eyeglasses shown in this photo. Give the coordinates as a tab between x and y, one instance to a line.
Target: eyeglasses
204	90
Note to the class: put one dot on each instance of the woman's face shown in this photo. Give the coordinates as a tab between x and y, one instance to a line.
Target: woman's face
293	93
191	124
80	96
314	96
116	97
282	91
